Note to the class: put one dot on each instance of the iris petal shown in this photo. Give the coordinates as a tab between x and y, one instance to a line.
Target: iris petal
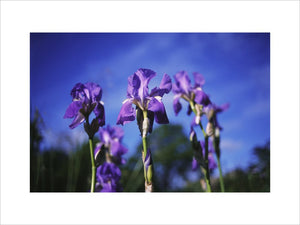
176	104
73	109
199	79
127	112
158	108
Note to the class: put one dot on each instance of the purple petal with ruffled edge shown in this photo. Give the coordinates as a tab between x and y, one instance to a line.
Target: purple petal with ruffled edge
176	104
158	108
199	79
141	90
127	112
182	83
77	91
95	91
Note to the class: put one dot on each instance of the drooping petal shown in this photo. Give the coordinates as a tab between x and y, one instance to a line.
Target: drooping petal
158	108
201	97
127	112
164	87
73	109
100	113
79	118
176	104
199	79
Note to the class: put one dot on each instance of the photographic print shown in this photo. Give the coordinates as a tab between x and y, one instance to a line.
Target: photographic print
149	112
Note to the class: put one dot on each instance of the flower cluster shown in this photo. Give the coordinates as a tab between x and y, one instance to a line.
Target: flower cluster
86	99
148	107
201	105
108	174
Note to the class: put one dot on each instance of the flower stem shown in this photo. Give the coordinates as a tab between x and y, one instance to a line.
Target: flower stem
220	176
207	176
148	182
208	188
93	165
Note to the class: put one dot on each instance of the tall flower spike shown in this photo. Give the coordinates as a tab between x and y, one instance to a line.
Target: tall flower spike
138	94
86	99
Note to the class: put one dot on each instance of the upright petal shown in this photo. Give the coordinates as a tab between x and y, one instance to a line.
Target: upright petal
127	112
183	82
77	91
199	79
117	133
158	108
164	87
144	75
95	91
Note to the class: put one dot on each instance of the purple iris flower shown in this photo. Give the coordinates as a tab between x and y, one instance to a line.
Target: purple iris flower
211	160
108	176
183	88
86	98
111	138
138	94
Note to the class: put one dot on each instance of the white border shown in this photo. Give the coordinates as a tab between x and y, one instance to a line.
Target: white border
18	19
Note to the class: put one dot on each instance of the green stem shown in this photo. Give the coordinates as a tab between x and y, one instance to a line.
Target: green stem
148	180
208	189
93	166
220	176
207	175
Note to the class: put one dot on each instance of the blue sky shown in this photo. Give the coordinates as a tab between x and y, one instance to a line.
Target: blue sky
236	67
